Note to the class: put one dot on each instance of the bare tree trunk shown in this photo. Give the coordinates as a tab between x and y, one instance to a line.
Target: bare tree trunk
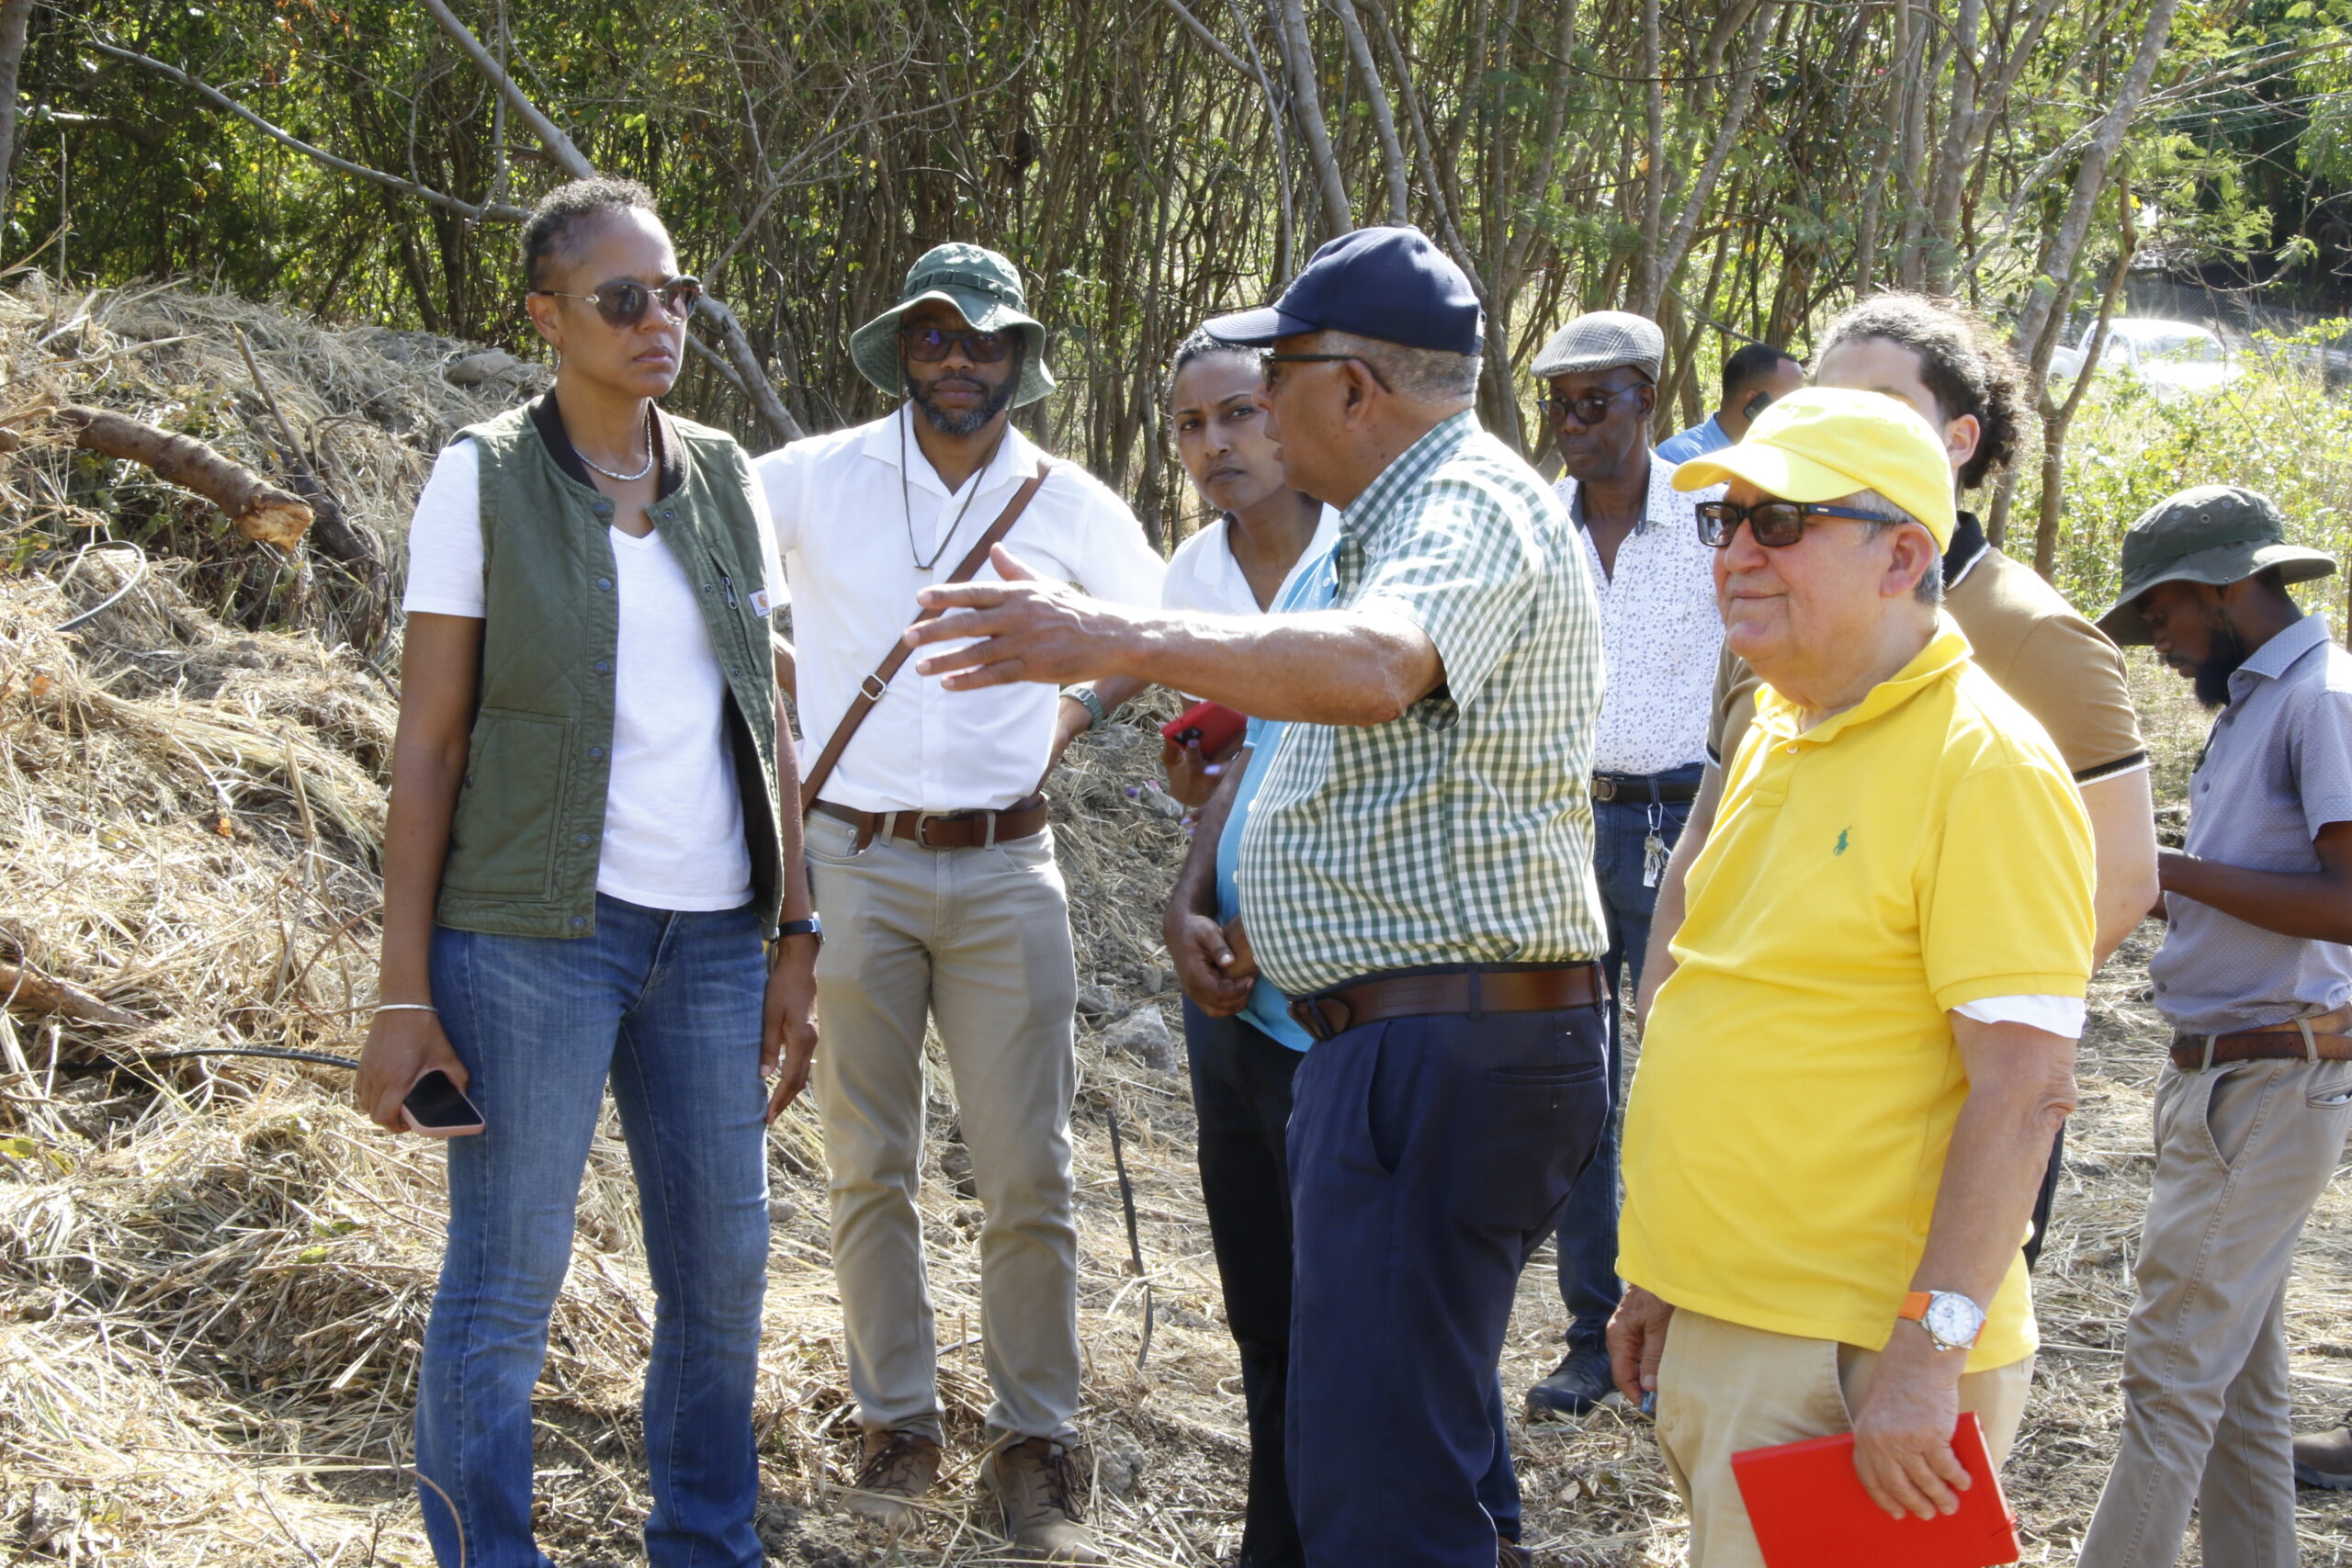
14	16
1383	119
1648	283
1743	93
2046	301
1306	108
2057	419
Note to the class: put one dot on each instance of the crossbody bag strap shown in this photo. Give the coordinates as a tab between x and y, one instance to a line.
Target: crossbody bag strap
870	690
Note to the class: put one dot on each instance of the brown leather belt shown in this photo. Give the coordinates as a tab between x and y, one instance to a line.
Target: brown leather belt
2324	1042
944	829
1469	991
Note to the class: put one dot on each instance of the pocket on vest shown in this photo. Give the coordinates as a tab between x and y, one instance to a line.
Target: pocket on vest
502	840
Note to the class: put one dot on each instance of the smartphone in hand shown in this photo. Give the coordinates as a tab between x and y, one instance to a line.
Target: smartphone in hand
437	1108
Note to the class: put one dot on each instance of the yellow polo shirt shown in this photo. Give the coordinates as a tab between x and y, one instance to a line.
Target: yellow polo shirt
1787	1127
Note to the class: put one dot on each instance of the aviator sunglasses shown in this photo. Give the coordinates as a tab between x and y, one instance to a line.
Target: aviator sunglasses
928	346
1775	524
622	302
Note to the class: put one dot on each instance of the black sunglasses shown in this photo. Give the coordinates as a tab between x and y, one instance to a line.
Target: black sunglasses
928	346
1775	525
622	302
1589	410
1370	368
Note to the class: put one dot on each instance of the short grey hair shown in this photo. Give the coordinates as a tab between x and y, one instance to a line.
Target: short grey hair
1929	590
1431	375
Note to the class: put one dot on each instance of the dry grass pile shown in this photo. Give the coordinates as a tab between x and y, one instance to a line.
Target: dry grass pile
214	1275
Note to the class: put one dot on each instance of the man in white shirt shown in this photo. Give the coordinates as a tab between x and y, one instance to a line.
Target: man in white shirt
1660	636
933	871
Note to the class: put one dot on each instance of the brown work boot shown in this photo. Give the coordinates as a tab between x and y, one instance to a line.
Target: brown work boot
1035	1483
900	1468
2324	1459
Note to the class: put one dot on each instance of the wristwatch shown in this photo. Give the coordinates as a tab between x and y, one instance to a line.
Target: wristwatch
812	925
1087	698
1952	1320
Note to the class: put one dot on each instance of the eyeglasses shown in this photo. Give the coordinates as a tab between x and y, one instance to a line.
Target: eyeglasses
928	346
1589	410
1775	525
1370	368
622	302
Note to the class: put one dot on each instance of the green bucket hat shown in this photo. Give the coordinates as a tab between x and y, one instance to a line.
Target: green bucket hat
2212	534
983	288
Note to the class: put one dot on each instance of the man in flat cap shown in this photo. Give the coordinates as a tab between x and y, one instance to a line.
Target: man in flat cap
1660	636
1411	873
2254	977
933	871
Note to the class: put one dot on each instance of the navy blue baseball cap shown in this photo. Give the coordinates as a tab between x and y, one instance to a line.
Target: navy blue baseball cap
1390	285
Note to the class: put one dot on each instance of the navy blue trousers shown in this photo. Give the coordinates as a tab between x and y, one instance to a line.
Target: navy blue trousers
1588	1234
1428	1158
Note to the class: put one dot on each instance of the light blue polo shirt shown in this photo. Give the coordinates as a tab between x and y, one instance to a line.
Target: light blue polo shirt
1313	586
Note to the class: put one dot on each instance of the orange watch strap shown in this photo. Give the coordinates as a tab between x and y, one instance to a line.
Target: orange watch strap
1915	1306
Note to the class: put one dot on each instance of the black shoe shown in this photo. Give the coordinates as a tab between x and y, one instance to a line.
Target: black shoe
1581	1382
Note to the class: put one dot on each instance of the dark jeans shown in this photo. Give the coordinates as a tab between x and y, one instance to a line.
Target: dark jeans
666	1008
1241	1083
1588	1239
1429	1157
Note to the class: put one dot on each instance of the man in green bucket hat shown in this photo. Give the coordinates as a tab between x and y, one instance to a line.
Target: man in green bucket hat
933	871
2254	977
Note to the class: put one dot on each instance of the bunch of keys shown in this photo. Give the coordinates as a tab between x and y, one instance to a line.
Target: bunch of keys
1654	852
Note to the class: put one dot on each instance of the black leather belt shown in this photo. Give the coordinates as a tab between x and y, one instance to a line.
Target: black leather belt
944	829
1639	787
1466	991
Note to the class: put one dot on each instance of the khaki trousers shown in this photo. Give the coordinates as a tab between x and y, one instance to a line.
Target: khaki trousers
1724	1388
2243	1152
978	939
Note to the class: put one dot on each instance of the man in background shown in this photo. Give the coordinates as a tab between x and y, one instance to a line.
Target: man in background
2256	979
1660	635
1754	376
1849	1084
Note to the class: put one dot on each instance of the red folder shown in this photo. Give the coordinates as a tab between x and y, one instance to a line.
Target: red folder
1810	1511
1216	727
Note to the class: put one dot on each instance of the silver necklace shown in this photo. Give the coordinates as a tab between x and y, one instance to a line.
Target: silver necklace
626	479
906	506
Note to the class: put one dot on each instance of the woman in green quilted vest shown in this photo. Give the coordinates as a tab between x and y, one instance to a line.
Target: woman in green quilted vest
586	870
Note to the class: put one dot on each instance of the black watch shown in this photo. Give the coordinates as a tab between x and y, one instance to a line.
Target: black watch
812	925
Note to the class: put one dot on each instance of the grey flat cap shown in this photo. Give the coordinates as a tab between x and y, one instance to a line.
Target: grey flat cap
1603	340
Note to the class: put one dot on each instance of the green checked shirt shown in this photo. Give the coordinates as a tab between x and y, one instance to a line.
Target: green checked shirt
1462	832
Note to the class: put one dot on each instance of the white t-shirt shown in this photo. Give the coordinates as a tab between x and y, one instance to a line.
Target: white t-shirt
673	820
1203	574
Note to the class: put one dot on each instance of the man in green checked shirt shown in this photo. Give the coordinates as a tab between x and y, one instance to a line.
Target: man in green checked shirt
1415	871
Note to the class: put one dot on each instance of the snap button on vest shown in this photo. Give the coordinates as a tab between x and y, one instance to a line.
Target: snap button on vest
604	583
595	753
603	667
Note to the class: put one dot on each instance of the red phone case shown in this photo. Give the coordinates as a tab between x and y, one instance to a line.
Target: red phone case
1810	1511
1215	725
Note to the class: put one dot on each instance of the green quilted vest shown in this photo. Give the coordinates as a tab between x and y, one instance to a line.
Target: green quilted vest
530	818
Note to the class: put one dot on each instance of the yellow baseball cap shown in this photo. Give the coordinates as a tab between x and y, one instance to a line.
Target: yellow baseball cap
1826	443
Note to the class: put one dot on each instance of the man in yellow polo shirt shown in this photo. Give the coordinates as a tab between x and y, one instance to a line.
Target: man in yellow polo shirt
1849	1086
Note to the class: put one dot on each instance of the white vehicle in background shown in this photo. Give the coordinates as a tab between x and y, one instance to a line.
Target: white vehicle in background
2177	359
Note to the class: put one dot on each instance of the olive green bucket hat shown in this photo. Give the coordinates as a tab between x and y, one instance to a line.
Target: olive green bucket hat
2212	534
980	285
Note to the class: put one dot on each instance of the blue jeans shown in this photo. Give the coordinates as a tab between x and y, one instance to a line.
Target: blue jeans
667	1006
1428	1158
1588	1239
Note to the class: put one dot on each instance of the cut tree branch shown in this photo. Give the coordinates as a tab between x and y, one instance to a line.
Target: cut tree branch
756	386
28	990
258	509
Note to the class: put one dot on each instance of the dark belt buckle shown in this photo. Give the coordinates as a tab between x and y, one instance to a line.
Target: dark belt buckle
1604	789
1309	1013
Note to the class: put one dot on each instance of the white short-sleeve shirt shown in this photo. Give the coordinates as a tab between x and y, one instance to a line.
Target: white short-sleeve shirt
1203	574
850	521
674	818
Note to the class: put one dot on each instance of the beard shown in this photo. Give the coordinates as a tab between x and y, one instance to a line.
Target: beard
964	421
2212	675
